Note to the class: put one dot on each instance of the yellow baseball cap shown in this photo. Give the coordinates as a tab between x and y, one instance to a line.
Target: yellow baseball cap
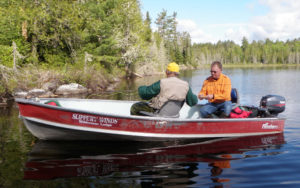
173	67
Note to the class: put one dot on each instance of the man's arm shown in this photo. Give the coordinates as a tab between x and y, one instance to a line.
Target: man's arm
148	92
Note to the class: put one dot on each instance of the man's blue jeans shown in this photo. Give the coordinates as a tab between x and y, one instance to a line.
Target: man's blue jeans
210	108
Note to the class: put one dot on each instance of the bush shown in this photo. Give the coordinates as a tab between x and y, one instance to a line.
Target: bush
6	57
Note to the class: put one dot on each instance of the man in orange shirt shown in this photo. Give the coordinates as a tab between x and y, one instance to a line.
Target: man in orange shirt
217	90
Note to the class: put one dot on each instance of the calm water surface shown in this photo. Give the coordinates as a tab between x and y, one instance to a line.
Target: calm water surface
257	161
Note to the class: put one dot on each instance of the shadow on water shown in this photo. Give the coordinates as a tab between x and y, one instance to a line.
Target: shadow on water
158	164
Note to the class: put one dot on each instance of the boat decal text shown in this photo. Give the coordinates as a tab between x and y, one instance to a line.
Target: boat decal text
94	120
269	126
139	124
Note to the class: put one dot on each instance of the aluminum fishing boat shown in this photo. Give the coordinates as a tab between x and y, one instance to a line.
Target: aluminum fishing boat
94	119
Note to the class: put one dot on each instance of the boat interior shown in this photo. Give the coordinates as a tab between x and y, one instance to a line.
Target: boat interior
114	107
122	108
275	105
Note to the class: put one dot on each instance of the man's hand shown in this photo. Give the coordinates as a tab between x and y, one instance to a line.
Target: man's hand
200	96
207	97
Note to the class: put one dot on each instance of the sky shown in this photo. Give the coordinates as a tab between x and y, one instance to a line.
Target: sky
220	20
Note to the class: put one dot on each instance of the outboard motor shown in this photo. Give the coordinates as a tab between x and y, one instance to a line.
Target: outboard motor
272	105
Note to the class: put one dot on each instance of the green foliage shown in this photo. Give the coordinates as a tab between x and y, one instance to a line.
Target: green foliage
6	57
148	31
2	89
107	61
158	39
178	45
7	80
59	32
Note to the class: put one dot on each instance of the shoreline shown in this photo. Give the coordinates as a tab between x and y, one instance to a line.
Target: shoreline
94	84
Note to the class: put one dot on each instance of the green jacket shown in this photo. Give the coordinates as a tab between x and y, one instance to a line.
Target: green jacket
148	92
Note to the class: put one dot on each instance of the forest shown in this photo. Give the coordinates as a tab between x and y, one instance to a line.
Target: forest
94	41
256	52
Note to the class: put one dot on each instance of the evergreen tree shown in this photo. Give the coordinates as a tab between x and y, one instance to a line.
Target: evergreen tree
148	30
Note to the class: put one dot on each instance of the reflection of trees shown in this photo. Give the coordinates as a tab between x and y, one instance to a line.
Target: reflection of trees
170	175
14	146
183	174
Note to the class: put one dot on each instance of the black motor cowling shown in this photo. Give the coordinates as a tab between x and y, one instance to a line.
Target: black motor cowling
273	104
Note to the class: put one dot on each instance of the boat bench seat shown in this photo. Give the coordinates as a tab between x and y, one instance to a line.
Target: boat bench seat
170	109
194	112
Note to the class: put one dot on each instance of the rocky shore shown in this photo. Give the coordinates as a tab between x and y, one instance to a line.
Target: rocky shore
49	91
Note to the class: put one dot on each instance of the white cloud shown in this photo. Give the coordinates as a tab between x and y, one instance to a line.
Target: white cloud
280	23
214	32
185	25
236	34
197	34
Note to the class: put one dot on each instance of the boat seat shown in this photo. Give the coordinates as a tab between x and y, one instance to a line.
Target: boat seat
235	98
170	109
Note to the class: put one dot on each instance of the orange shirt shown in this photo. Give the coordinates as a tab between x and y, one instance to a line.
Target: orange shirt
221	88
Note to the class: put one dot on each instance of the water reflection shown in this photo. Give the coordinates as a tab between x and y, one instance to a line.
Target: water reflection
159	164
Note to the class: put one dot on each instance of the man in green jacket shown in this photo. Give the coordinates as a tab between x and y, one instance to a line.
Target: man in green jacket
167	89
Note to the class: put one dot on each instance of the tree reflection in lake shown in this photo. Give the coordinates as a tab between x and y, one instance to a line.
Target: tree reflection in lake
159	164
15	143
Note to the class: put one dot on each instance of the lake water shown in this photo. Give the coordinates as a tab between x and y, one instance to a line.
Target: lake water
258	161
